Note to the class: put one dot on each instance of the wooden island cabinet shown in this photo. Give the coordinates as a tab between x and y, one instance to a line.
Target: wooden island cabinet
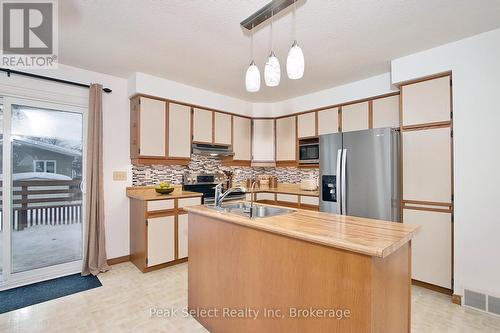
356	269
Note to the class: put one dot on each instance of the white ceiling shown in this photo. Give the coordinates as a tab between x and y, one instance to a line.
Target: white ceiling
200	42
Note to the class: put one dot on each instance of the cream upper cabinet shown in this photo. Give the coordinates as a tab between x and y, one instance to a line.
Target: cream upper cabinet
152	127
161	240
426	102
179	133
355	117
386	112
306	125
285	139
202	125
263	140
223	128
242	138
431	246
427	165
328	121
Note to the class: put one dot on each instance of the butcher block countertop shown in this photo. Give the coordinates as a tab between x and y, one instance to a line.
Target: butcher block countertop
285	189
366	236
148	193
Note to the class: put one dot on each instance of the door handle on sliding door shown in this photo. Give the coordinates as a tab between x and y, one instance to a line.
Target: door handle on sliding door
344	181
337	183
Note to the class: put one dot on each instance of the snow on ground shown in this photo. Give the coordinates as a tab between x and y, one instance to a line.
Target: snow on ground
45	245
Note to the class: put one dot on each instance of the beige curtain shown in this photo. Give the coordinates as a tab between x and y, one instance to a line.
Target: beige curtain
94	259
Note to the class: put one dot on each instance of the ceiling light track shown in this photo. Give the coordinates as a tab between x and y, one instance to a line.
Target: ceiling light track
265	13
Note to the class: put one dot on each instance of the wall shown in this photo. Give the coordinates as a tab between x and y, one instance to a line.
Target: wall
116	128
155	86
475	66
372	86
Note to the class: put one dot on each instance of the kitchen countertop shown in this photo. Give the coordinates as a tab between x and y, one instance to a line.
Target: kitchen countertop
285	189
366	236
147	193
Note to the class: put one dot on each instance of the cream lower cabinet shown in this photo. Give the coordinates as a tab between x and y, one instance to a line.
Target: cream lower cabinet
182	234
161	240
263	140
286	142
179	133
156	228
355	117
242	138
431	246
265	196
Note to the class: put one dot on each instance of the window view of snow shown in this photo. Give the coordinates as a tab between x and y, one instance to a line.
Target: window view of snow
46	217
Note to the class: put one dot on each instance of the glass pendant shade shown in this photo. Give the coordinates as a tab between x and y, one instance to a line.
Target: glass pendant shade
295	62
272	71
252	78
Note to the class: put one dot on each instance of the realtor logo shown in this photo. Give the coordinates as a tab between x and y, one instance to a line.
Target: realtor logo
29	34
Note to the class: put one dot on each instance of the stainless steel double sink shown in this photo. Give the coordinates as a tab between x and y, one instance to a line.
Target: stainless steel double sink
243	209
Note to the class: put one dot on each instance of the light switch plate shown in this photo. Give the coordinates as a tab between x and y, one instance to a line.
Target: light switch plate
120	175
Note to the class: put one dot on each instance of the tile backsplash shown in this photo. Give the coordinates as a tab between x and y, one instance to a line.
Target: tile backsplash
150	175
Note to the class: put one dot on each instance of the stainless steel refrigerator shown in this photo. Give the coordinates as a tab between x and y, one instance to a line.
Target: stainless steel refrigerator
359	173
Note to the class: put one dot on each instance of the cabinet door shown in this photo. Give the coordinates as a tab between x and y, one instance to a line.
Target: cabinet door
182	235
306	126
202	125
355	117
161	240
386	112
427	165
179	131
431	246
263	140
426	102
328	121
152	127
223	128
242	138
285	139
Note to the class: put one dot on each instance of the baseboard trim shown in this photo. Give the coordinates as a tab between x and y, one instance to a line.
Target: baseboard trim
118	260
432	287
456	299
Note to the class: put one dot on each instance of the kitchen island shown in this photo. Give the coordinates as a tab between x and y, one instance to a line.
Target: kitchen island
300	272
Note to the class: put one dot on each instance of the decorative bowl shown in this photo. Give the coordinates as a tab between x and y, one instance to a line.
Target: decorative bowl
164	190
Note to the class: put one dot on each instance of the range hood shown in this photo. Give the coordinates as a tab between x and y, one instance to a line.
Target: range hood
212	150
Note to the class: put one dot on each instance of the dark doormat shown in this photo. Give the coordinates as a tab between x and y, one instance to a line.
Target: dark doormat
21	297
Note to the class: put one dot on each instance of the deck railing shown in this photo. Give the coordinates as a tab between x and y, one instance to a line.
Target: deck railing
45	202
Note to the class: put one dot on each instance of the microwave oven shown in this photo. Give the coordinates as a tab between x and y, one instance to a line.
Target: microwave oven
309	153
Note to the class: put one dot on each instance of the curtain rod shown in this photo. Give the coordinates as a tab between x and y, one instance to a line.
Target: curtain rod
48	78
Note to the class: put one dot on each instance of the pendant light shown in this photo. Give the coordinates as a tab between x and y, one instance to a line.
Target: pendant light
272	70
252	77
295	59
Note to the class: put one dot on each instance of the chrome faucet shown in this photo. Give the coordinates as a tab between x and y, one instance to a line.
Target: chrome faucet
251	198
219	196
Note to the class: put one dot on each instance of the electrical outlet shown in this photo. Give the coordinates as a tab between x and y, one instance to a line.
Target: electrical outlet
120	175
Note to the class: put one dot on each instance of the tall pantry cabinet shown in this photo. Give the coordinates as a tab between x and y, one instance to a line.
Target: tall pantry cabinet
427	177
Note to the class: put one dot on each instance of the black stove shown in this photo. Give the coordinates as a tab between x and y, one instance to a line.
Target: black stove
205	183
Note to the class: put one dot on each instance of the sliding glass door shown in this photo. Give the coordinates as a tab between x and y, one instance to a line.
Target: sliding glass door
43	201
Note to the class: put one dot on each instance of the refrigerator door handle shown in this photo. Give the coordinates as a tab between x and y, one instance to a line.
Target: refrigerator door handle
344	180
337	183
